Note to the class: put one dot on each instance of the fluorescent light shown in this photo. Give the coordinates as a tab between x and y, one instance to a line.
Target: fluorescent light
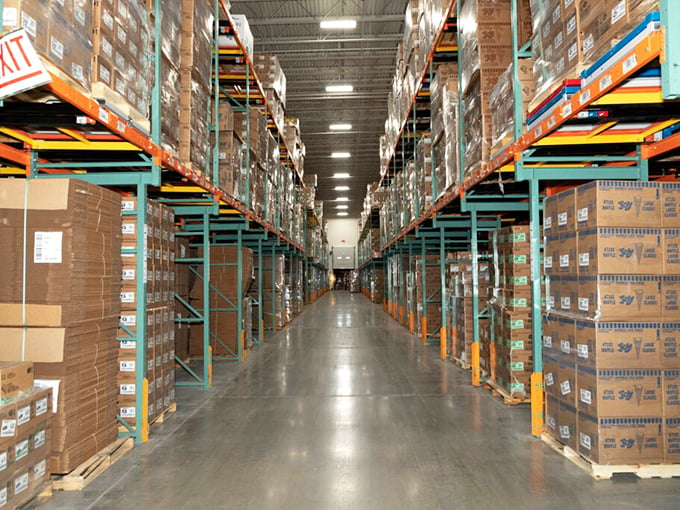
339	88
341	176
343	214
342	207
338	24
342	199
342	188
340	127
341	155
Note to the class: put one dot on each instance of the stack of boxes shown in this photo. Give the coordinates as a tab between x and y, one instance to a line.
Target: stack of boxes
195	81
171	91
444	107
229	152
64	315
273	291
291	136
159	249
429	318
611	333
26	434
273	82
225	331
250	127
512	324
184	280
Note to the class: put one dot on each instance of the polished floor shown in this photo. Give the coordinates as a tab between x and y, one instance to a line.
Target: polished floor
346	410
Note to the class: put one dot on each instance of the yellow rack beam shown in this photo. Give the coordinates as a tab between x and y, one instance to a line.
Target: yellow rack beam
589	139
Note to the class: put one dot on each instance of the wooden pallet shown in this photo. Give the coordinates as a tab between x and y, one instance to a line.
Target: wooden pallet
84	474
165	414
607	472
41	496
501	393
117	103
462	364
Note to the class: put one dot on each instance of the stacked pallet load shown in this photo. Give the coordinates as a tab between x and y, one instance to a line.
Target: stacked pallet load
26	439
160	251
511	341
273	289
486	51
273	82
291	136
184	280
250	126
460	332
226	333
229	152
611	331
423	173
60	301
428	316
444	108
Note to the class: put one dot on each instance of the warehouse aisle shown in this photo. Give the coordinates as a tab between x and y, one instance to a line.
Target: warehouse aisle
345	410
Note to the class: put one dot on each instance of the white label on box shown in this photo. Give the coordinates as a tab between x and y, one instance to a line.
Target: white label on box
21	483
547	223
3	491
588	43
128	412
565	303
582	351
151	409
549	379
107	18
127	366
128	344
24	415
21	450
56	48
128	274
583	304
128	205
47	247
77	72
39	439
28	23
564	260
551	302
127	297
550	421
3	461
548	262
586	397
565	388
564	432
80	15
128	228
9	428
565	346
618	12
585	441
583	214
10	17
547	341
128	320
583	259
39	469
562	219
128	389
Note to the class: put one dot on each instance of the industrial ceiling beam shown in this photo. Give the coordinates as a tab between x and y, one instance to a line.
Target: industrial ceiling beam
314	20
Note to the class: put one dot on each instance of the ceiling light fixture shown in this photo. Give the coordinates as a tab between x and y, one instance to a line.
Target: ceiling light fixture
340	127
339	88
343	214
341	176
341	155
342	207
342	199
342	188
338	24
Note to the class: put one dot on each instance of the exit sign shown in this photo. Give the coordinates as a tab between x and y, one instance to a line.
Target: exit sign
20	66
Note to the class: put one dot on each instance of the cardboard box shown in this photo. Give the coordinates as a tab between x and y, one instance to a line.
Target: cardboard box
620	297
551	343
671	393
670	204
566	338
565	291
670	344
618	204
551	375
552	408
621	440
567	381
625	392
607	250
670	297
567	425
566	211
671	442
612	345
16	378
550	215
671	251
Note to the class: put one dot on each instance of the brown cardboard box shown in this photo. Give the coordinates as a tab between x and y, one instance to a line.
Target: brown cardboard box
565	291
567	425
606	250
670	204
566	331
15	378
625	392
566	211
671	443
551	258
671	251
631	345
618	204
621	440
568	254
567	381
552	407
670	344
671	393
620	297
551	343
670	297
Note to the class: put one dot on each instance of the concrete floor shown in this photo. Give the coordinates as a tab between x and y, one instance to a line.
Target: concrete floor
346	410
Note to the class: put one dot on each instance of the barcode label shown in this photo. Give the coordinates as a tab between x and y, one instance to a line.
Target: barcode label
8	428
23	415
586	397
39	439
41	407
127	412
3	461
549	379
564	432
565	388
565	346
583	259
128	274
605	82
582	351
47	247
21	483
127	366
39	469
583	304
127	389
564	260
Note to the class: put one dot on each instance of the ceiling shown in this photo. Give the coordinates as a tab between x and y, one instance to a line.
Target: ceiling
312	58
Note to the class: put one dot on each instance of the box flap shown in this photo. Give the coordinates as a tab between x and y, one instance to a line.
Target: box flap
36	315
43	345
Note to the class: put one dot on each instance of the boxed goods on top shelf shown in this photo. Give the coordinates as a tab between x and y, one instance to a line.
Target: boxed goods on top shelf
242	29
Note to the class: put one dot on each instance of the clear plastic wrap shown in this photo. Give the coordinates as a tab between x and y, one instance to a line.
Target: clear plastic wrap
502	101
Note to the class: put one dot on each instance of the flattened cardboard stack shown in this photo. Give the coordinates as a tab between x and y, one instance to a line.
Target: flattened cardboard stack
160	279
25	444
224	277
611	335
432	312
71	292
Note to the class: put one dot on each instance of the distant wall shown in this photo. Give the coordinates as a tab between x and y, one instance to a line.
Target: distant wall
343	230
